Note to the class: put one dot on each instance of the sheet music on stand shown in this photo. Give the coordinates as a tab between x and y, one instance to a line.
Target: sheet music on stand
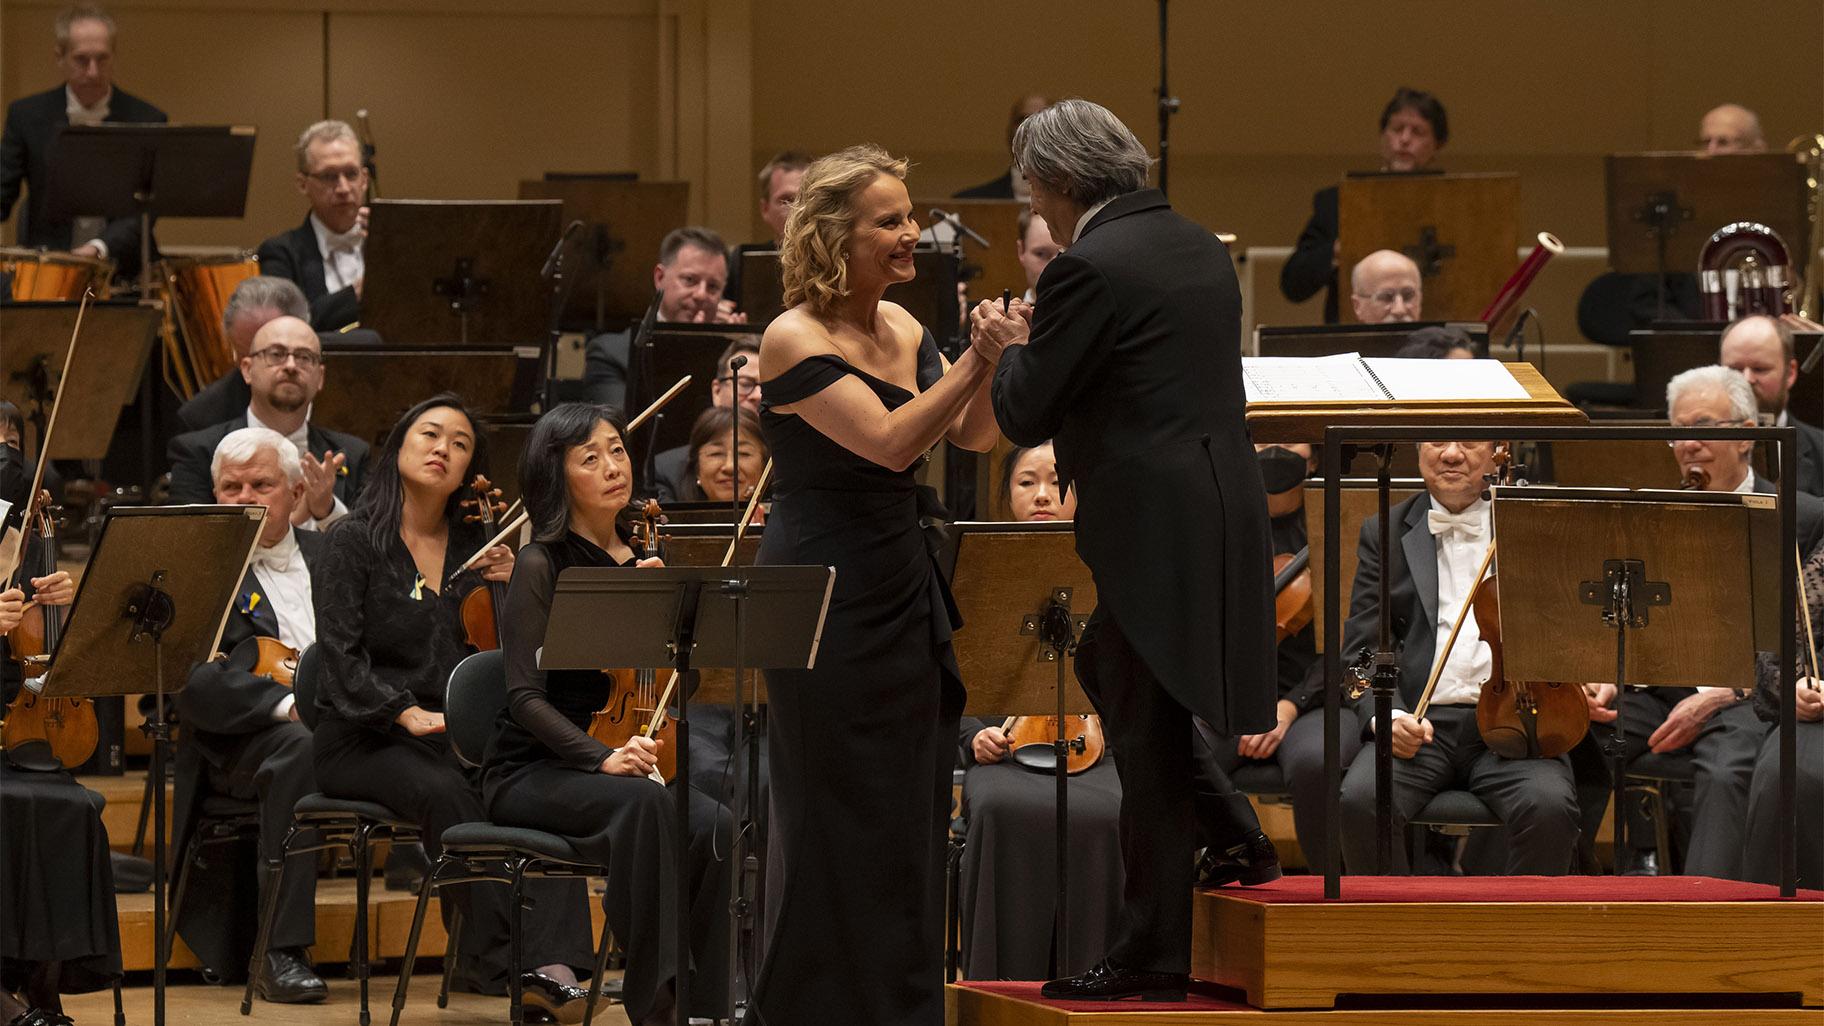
1351	378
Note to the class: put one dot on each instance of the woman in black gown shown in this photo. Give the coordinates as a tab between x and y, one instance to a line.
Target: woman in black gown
543	769
861	745
388	597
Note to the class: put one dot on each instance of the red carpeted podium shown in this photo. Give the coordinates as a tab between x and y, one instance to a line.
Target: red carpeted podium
1609	950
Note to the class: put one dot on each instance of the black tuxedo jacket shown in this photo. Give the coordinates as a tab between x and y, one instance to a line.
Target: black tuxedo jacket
1412	570
1312	267
998	188
1811	456
32	124
294	255
1810	511
191	453
225	398
1134	368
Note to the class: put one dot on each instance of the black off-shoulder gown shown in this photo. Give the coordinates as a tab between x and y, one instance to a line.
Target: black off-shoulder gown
863	744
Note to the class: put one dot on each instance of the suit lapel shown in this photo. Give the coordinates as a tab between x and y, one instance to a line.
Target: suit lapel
251	602
1422	557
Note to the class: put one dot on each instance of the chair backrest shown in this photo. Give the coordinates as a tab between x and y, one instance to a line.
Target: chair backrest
476	693
304	685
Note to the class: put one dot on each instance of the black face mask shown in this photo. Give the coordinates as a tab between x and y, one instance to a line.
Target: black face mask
1281	469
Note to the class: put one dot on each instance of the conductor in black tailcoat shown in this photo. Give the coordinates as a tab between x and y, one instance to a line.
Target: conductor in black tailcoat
1134	366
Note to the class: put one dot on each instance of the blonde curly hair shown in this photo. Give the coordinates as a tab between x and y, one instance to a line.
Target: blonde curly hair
814	258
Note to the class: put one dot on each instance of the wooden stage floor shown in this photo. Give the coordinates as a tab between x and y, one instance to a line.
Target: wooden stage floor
191	1003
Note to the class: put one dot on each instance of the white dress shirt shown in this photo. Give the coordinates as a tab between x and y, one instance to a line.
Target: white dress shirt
1083	222
1461	541
87	227
285	586
300	439
343	262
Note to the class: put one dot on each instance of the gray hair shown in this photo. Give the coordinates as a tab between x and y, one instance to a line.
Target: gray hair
80	12
1080	149
323	131
1715	378
244	444
265	292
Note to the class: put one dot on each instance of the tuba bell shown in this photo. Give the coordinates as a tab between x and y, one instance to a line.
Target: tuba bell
1743	269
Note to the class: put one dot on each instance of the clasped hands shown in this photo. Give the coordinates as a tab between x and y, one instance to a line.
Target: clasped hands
992	330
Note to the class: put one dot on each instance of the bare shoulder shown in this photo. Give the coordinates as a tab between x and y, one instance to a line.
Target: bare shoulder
792	336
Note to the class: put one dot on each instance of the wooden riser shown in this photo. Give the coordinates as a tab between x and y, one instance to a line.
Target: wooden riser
965	1006
1304	955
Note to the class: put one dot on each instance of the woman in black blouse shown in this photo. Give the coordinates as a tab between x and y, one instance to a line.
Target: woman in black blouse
388	596
545	771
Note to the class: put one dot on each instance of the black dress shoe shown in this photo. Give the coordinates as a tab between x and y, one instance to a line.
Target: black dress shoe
1252	862
41	1017
287	979
1106	982
563	1002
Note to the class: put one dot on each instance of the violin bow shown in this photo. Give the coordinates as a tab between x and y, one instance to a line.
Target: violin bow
14	540
1811	643
658	404
747	517
512	525
1437	669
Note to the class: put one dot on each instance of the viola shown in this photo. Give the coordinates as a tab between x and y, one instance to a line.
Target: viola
633	695
481	607
1033	741
1521	719
1293	606
66	725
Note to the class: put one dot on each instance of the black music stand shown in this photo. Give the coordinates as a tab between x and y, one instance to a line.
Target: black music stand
462	271
1366	339
110	362
680	617
1651	196
1025	598
150	171
366	387
667	352
164	575
1582	564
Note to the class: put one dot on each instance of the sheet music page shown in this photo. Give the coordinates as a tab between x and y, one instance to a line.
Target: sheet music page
1292	379
1408	380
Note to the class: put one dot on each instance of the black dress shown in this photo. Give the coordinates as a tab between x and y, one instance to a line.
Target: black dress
56	881
542	770
388	641
861	750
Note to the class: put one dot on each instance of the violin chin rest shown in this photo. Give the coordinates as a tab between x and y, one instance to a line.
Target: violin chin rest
34	755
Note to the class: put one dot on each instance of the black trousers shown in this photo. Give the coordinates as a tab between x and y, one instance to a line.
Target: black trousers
1174	798
1722	759
1535	798
627	825
1301	759
274	767
1761	855
419	778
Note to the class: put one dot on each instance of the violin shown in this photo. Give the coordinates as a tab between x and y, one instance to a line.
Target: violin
67	725
633	695
481	607
1521	719
1033	740
1293	607
266	657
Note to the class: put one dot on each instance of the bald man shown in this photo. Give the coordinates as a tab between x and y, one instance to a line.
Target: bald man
1384	288
1730	128
1761	348
284	372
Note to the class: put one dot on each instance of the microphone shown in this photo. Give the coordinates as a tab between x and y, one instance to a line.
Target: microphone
557	251
944	217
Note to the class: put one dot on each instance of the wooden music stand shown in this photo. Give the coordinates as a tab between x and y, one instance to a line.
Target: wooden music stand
1610	589
366	388
458	271
1461	229
998	266
1296	421
1614	463
1663	207
1025	598
104	377
624	221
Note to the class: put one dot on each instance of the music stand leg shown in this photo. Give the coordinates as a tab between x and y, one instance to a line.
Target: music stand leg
1334	460
1060	753
159	732
747	746
684	639
1386	678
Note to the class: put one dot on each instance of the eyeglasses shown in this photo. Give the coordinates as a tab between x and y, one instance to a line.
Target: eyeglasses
331	177
275	356
1385	297
1702	423
743	386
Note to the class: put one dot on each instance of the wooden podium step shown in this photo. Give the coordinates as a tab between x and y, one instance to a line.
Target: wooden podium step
1284	947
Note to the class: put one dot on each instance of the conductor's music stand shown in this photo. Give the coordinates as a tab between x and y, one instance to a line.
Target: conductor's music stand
1610	589
149	171
680	617
463	271
1652	196
1025	598
152	604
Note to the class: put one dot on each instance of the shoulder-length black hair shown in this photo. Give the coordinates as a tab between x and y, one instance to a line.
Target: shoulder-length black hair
542	484
381	506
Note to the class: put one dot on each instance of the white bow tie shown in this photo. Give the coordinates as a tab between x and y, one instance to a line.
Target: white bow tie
276	558
344	242
1471	524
